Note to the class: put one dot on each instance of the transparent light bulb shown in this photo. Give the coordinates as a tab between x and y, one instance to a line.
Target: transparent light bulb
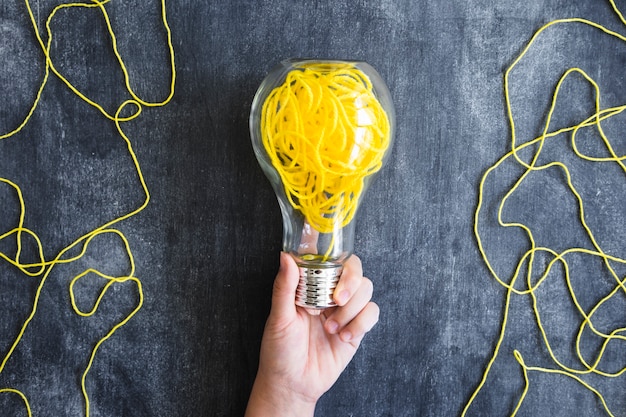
321	130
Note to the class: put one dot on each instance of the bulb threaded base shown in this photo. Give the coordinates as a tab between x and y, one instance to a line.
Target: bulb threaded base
316	286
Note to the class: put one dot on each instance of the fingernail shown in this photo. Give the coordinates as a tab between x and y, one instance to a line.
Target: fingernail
332	326
346	336
283	260
343	297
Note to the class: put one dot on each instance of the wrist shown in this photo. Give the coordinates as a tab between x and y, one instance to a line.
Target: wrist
270	400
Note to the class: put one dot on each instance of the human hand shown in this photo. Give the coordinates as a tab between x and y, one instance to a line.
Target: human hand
302	353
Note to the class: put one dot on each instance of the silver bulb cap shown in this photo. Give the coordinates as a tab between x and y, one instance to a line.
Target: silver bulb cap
316	286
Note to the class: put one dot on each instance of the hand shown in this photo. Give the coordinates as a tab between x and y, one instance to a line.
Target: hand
302	353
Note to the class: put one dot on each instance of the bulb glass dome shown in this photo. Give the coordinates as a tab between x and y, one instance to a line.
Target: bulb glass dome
321	130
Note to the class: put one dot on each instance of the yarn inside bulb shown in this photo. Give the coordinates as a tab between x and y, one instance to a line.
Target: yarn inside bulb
325	131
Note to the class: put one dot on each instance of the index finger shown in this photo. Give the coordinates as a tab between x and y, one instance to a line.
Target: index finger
350	280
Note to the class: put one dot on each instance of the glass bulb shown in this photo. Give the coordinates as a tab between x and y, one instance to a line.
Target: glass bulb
321	130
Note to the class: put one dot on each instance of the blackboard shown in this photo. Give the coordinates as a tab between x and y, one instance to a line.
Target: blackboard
206	245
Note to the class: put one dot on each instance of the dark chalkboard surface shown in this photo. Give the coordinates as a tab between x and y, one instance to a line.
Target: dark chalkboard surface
206	246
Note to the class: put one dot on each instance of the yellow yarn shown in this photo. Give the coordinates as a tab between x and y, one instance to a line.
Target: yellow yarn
43	267
585	366
325	132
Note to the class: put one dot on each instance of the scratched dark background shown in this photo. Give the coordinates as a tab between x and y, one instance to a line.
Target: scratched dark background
206	247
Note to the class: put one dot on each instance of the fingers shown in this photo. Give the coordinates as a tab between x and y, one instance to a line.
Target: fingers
361	324
356	317
356	314
350	281
285	284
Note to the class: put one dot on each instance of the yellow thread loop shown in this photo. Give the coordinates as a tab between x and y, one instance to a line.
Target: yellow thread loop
43	267
528	259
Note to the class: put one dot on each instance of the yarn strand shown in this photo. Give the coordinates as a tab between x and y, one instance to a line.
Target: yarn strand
585	366
43	267
325	131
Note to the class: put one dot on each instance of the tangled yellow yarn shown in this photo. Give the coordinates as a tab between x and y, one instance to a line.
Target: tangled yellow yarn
22	235
529	261
325	131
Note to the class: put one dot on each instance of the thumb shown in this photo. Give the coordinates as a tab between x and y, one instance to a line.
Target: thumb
285	284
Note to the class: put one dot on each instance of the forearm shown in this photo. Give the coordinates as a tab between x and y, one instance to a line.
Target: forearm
272	401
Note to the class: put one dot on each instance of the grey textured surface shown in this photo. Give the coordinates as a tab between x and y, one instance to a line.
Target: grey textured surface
207	245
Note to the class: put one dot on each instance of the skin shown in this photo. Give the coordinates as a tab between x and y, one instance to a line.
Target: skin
303	352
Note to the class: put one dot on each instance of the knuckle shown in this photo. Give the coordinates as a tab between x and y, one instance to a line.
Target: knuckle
368	286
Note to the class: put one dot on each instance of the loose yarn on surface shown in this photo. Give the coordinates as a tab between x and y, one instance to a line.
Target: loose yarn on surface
128	110
528	262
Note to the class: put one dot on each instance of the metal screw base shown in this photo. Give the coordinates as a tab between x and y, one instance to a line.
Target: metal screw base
316	286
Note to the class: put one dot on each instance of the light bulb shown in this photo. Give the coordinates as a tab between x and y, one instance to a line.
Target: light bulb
321	130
